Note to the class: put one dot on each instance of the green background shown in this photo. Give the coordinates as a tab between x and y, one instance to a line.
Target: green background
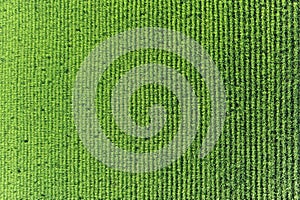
255	45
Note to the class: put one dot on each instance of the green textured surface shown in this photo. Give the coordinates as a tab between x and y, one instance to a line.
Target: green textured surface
255	45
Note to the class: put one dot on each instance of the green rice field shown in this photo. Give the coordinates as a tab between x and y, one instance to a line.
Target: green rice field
254	45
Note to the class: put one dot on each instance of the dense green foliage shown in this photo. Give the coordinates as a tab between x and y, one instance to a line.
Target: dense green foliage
255	45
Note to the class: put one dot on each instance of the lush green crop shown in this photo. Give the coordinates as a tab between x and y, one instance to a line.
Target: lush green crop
254	44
